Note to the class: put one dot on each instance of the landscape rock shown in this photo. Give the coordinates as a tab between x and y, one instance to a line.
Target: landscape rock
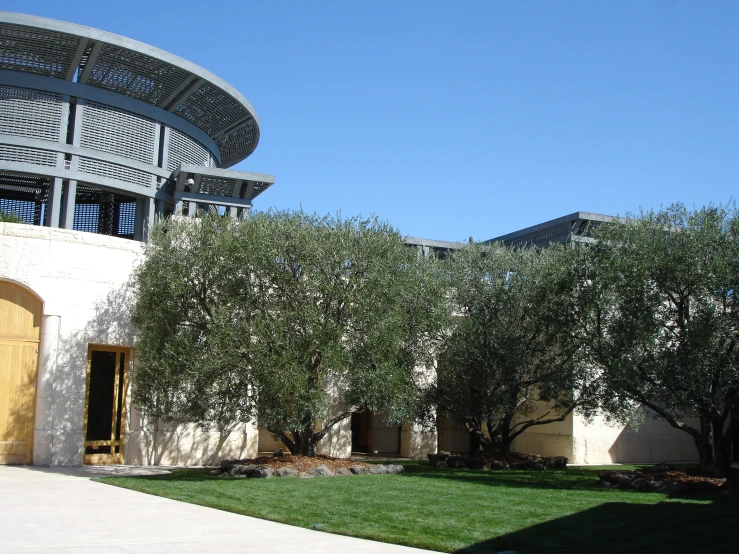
477	463
261	472
279	453
531	466
442	454
497	464
241	469
321	471
306	476
455	462
395	469
216	471
343	471
440	464
675	489
378	469
556	462
285	472
359	470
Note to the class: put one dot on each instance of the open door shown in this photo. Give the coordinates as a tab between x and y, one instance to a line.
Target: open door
105	404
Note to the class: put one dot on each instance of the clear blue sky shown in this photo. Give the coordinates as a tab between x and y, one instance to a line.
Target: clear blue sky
467	118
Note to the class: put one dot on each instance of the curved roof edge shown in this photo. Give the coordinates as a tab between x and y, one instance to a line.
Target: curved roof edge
195	71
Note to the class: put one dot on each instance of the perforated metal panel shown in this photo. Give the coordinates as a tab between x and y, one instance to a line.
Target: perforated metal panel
30	113
183	149
258	189
211	109
22	154
135	74
104	212
112	130
36	50
24	196
115	171
236	145
216	185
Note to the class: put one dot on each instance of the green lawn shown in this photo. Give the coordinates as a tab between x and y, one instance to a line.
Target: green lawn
469	511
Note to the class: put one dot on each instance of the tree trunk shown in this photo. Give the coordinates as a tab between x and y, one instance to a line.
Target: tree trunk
505	435
704	444
721	447
304	442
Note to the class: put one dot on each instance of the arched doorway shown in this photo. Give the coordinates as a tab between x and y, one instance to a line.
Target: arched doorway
20	329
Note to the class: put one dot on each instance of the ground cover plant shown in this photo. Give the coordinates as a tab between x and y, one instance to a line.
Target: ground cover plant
468	511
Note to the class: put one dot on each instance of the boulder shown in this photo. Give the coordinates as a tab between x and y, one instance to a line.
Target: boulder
603	484
306	476
236	470
475	462
556	462
344	471
455	462
531	466
217	471
378	469
442	455
359	470
225	463
395	469
285	472
441	464
674	489
321	471
261	472
497	464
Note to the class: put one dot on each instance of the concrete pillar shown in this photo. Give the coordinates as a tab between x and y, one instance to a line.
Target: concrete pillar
54	203
68	202
43	420
144	218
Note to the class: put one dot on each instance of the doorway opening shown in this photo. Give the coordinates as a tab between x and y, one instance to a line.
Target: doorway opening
361	431
105	404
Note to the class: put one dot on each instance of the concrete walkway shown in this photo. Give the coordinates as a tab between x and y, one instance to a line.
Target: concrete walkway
63	511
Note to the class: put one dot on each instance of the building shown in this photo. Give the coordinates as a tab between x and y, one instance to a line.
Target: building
98	135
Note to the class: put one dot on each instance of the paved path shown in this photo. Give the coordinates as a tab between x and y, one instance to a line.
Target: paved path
63	511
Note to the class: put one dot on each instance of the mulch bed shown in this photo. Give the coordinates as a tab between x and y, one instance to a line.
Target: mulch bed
667	479
303	463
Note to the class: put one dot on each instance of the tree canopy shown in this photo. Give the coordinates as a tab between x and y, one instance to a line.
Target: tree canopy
278	318
504	359
659	317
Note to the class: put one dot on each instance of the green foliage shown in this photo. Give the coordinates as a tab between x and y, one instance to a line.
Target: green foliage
9	218
296	319
504	356
660	318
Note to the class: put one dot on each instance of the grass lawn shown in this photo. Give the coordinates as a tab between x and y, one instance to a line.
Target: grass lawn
469	511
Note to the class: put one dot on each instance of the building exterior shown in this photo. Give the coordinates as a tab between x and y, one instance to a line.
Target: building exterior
99	134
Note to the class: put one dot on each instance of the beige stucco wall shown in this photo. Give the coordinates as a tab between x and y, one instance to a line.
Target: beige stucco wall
655	440
80	278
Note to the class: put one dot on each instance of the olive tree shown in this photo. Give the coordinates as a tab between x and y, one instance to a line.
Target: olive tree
504	358
280	317
660	318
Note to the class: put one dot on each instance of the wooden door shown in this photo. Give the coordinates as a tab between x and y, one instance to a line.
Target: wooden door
105	404
20	327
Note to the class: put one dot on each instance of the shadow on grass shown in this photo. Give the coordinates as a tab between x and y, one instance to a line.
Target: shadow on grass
624	527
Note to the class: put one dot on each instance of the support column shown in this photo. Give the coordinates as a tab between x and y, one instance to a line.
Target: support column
68	203
53	203
144	218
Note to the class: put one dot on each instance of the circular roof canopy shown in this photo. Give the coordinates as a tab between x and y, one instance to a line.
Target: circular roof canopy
76	53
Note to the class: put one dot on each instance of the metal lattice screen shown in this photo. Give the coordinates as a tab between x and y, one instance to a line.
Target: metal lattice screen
104	213
24	196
